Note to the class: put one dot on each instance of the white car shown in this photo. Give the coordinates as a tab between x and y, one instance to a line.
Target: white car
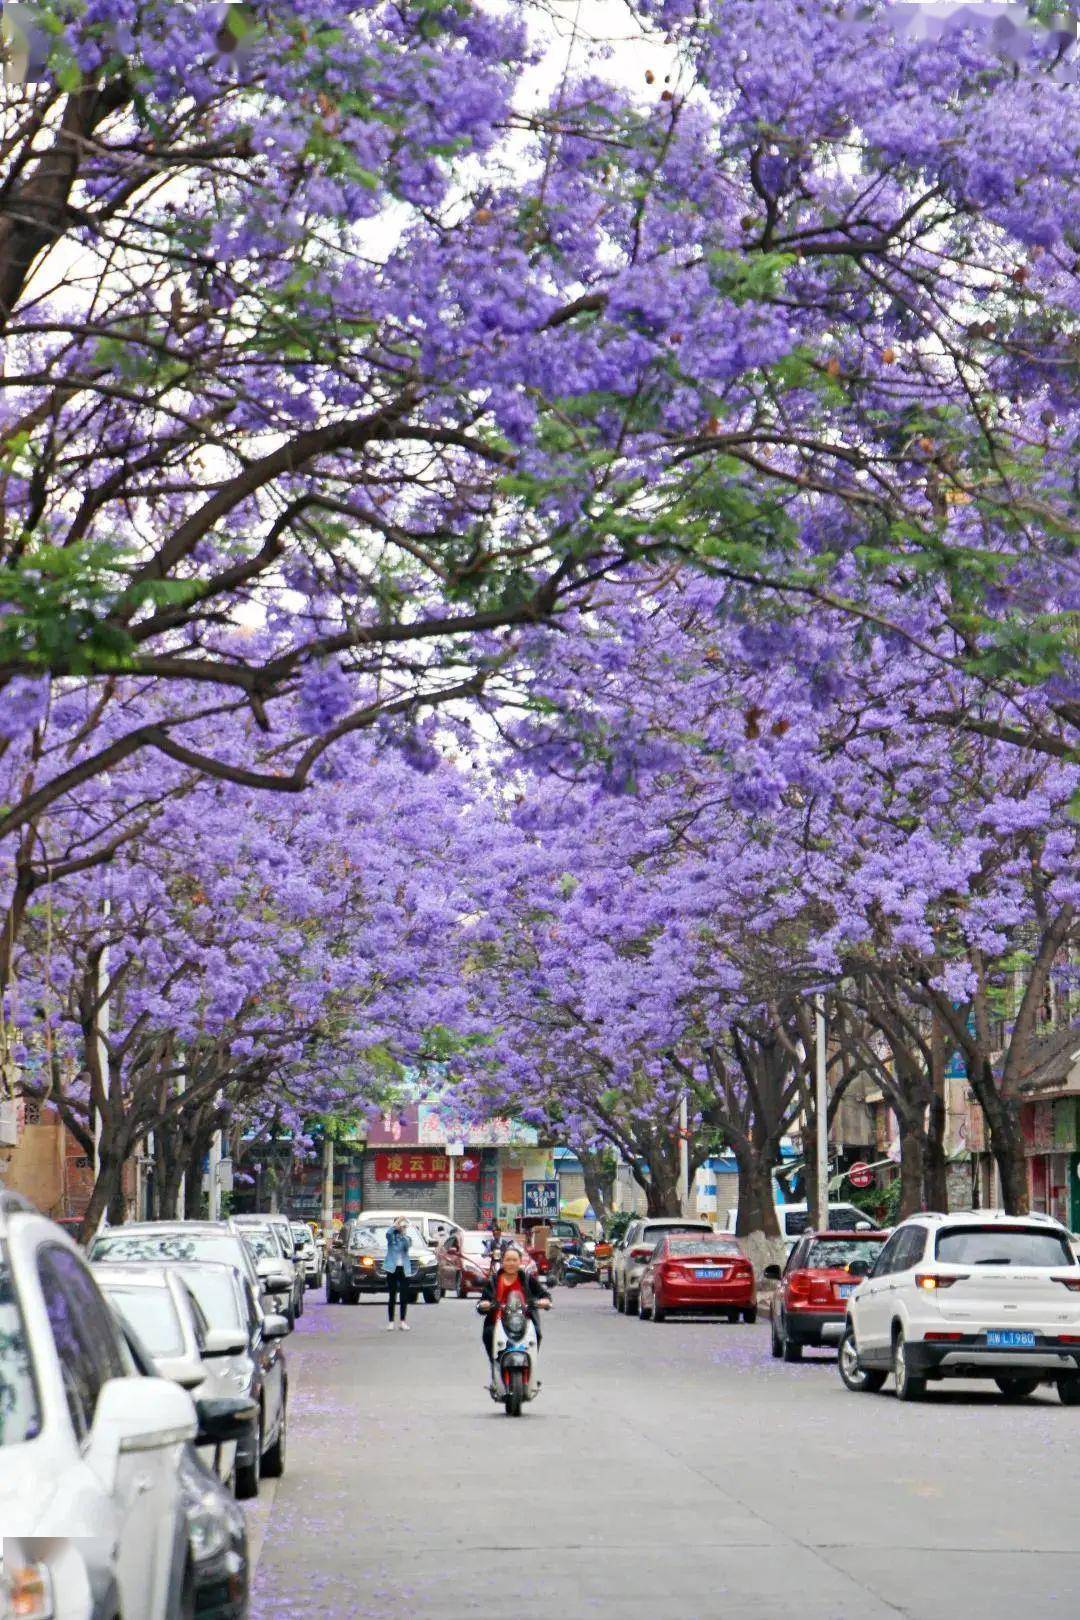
91	1503
794	1219
979	1294
158	1306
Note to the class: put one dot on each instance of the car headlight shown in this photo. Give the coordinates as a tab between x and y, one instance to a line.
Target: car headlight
208	1533
26	1592
240	1374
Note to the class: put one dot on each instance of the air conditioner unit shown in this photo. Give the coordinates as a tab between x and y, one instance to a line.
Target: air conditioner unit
9	1131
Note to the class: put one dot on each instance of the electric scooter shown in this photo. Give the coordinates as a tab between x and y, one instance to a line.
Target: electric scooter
515	1358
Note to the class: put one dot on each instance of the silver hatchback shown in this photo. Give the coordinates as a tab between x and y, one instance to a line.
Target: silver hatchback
632	1255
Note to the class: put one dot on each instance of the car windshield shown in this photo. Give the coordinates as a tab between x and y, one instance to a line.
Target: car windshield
833	1254
150	1312
262	1242
376	1236
215	1291
705	1244
20	1417
475	1242
1003	1246
653	1234
123	1246
301	1236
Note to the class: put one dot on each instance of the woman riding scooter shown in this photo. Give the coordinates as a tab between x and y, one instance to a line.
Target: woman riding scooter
510	1280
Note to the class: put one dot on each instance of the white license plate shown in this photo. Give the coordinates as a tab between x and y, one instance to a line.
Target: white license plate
711	1271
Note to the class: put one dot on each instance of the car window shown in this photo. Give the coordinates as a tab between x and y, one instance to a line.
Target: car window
262	1242
1003	1246
912	1249
795	1222
833	1254
704	1243
886	1260
85	1336
151	1312
214	1291
20	1412
794	1259
123	1246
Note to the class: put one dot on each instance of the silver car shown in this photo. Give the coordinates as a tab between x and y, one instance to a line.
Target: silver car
632	1255
280	1229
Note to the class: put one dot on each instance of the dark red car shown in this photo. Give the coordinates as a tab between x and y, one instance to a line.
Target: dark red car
698	1271
823	1271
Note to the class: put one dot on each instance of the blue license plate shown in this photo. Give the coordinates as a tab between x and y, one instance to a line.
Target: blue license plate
711	1271
846	1290
1009	1339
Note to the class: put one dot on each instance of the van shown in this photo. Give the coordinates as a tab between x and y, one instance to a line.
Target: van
794	1219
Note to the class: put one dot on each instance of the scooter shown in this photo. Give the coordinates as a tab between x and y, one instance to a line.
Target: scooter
515	1357
581	1268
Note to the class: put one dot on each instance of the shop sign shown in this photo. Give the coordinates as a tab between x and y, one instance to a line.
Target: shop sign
541	1198
424	1167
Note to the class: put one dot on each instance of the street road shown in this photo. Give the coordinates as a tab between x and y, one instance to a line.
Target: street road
665	1471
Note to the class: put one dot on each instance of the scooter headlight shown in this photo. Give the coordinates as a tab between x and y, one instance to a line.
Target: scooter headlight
514	1322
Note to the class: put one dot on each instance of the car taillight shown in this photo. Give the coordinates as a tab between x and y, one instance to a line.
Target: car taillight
943	1338
798	1287
1068	1338
640	1253
930	1280
1071	1283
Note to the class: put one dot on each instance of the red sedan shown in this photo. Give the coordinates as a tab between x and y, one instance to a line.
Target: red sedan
823	1271
698	1271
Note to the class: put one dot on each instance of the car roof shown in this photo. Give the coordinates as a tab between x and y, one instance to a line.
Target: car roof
685	1221
167	1226
871	1234
143	1273
986	1217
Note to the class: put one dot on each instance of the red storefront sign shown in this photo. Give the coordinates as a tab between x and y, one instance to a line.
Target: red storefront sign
407	1166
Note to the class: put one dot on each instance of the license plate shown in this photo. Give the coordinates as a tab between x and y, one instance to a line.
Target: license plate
1009	1339
846	1290
711	1271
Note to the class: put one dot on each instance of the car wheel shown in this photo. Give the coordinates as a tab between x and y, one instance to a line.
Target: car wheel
620	1301
273	1464
731	1316
615	1297
462	1286
777	1347
290	1316
432	1296
300	1307
788	1348
750	1314
333	1296
1017	1389
1069	1391
351	1296
249	1474
631	1303
909	1386
658	1311
854	1377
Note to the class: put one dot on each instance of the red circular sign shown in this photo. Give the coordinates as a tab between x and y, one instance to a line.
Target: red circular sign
860	1175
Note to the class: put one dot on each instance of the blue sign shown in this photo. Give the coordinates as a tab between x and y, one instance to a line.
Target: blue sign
540	1198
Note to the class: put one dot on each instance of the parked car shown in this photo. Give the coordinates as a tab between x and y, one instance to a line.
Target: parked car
980	1294
181	1240
156	1303
280	1229
259	1372
217	1578
695	1272
91	1502
635	1249
308	1253
822	1273
277	1275
434	1229
354	1264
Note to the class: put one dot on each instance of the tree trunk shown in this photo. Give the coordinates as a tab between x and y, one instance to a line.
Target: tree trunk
911	1168
662	1194
935	1167
1006	1141
106	1188
757	1206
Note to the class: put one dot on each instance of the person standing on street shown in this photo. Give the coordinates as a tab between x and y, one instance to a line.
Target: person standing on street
399	1267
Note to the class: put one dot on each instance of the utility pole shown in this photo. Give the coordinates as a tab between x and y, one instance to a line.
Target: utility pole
328	1185
102	1039
684	1156
821	1107
214	1178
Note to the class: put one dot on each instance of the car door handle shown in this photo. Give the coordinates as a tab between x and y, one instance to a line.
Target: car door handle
143	1483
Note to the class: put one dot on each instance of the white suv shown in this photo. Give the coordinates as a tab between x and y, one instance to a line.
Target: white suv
90	1491
979	1294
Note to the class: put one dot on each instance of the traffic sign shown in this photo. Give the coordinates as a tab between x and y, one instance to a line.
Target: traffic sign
860	1175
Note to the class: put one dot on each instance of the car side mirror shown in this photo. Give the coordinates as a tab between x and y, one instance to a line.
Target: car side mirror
224	1418
137	1414
275	1326
180	1370
771	1273
225	1342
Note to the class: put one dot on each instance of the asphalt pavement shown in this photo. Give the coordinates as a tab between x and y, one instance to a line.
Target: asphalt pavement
669	1470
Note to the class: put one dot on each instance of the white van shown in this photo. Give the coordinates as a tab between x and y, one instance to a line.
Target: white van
794	1219
434	1229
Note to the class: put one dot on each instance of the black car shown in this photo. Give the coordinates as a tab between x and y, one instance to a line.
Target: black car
354	1264
217	1573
